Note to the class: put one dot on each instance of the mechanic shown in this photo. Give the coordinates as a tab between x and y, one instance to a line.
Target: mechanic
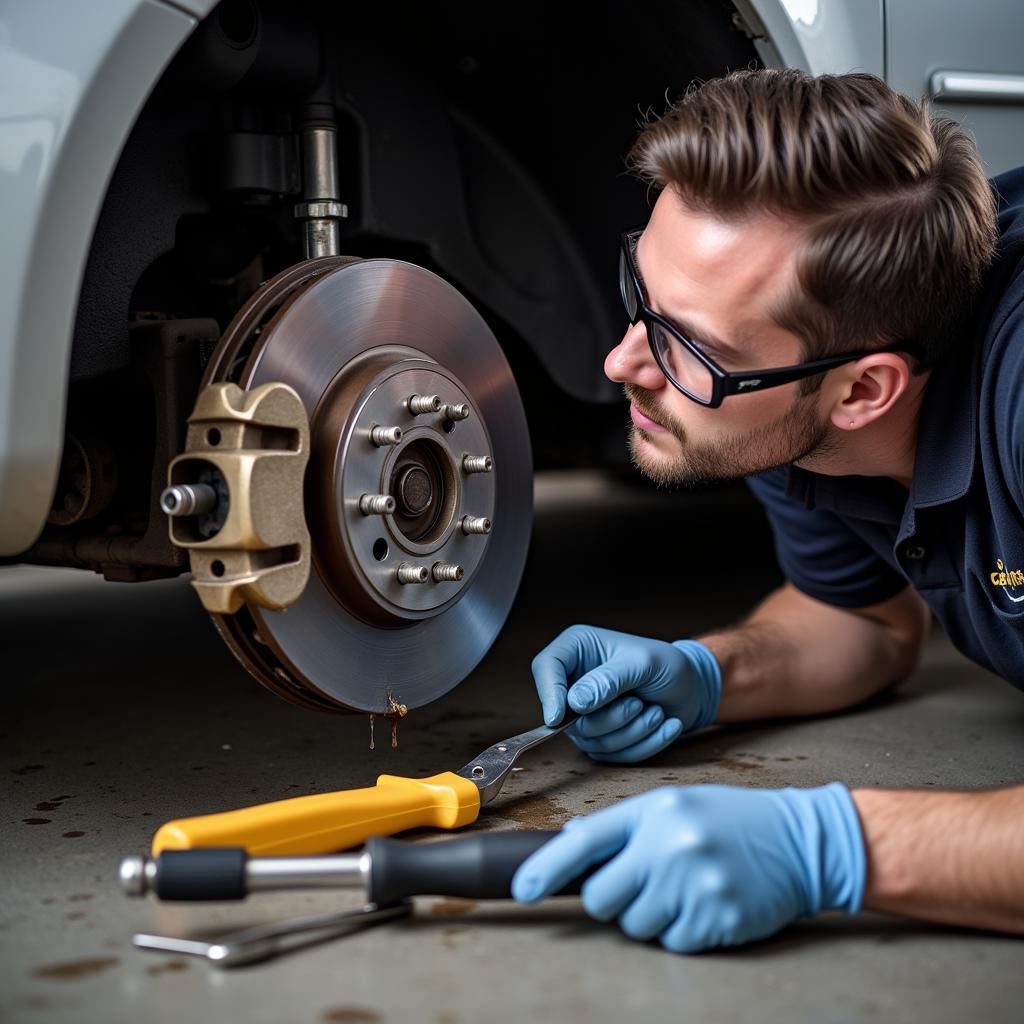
835	229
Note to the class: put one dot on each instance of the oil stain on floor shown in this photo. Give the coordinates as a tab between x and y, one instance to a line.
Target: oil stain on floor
452	906
534	812
72	970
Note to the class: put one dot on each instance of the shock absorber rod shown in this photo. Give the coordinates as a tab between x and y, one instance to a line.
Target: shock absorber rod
321	209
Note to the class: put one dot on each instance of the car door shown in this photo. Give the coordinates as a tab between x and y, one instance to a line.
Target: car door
970	59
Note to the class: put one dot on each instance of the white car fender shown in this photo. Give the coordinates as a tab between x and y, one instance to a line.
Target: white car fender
73	78
819	36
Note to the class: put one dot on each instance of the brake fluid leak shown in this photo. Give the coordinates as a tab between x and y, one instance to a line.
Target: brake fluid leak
395	712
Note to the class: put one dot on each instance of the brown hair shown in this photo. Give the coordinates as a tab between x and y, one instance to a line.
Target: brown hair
900	220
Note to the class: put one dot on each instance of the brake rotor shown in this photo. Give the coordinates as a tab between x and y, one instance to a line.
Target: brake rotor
419	534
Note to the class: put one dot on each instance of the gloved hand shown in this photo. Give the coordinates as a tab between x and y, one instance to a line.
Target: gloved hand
636	695
704	866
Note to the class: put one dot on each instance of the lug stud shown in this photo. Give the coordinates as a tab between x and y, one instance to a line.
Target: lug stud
445	572
188	499
455	412
376	504
475	524
420	404
477	464
384	436
412	573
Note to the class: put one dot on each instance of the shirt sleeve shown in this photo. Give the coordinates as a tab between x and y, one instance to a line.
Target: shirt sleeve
1006	408
819	553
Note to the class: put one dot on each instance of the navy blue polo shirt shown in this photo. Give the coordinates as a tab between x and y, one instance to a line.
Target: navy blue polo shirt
957	537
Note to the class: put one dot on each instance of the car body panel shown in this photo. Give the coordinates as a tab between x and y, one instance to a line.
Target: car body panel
198	9
68	99
918	48
908	45
819	36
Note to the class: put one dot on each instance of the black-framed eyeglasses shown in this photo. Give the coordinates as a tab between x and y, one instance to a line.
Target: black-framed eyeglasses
690	369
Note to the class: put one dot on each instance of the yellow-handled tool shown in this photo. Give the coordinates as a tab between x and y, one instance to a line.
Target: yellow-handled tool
334	821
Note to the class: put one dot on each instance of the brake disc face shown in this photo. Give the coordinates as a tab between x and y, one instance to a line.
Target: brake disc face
418	493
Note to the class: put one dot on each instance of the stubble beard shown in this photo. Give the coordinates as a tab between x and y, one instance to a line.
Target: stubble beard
795	436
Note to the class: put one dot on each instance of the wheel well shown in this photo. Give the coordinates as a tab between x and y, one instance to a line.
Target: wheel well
487	145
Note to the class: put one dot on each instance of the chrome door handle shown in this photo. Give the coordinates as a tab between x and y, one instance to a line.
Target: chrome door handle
976	87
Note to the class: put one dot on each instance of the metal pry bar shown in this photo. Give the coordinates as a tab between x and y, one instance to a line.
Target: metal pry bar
491	767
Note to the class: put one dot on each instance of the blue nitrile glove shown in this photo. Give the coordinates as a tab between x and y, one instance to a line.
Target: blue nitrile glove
636	695
704	866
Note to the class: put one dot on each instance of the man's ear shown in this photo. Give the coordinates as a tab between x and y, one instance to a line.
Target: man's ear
868	389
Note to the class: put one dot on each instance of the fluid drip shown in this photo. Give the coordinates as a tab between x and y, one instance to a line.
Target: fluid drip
395	712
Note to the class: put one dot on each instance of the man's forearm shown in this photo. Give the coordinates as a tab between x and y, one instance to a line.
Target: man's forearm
951	857
797	656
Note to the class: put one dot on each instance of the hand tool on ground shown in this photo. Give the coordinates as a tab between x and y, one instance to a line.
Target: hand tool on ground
389	871
326	822
478	866
249	945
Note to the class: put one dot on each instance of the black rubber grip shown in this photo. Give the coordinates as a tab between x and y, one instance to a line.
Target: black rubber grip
478	867
205	873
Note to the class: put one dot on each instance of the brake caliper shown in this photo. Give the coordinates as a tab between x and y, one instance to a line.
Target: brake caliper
234	497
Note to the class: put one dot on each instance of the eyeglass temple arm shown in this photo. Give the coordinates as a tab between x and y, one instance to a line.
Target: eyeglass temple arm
734	383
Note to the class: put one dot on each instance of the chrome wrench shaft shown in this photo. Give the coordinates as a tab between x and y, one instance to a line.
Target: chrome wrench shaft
261	942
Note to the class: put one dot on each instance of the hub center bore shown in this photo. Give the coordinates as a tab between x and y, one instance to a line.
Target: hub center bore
413	490
425	491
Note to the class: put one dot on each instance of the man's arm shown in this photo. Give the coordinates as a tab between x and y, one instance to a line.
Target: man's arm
951	857
794	655
705	866
797	656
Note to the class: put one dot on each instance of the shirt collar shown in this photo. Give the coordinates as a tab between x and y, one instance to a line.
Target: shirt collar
947	430
864	497
943	459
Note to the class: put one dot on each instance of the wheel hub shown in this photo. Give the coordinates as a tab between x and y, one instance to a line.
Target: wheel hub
423	472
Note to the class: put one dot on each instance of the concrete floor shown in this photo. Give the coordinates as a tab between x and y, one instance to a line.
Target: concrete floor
123	710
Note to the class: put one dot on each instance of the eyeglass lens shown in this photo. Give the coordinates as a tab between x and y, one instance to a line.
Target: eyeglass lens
677	362
626	287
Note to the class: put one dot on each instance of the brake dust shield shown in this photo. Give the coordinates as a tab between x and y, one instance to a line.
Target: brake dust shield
418	534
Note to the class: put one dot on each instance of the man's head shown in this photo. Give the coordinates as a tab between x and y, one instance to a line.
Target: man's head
799	218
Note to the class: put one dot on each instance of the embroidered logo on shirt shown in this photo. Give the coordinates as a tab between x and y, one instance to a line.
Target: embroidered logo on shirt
1007	578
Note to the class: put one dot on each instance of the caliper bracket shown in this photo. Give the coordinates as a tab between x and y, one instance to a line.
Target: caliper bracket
253	446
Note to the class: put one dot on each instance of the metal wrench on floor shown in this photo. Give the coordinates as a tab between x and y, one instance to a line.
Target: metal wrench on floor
335	821
249	945
389	871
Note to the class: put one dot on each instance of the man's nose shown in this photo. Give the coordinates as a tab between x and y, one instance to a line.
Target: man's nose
631	361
